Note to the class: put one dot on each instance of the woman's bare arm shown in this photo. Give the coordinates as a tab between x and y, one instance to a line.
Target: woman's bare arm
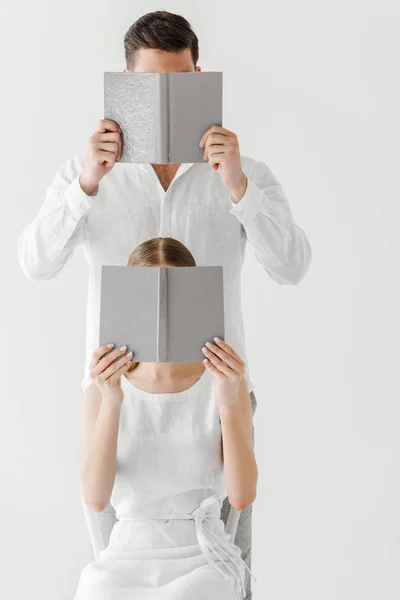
100	425
240	467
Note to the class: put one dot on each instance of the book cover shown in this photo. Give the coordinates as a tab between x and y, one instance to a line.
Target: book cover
163	314
163	115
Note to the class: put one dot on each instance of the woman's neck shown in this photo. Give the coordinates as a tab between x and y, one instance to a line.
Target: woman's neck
166	377
168	371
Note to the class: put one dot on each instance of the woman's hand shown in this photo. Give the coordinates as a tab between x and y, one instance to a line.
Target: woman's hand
228	369
105	373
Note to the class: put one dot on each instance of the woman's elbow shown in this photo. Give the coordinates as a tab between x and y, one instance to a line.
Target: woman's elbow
95	505
243	502
92	498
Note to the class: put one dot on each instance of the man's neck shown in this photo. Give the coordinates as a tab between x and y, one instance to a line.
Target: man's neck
167	168
165	173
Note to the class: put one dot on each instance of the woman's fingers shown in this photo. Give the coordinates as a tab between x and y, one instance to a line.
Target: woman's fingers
225	357
113	374
216	361
209	365
229	350
116	366
102	358
97	354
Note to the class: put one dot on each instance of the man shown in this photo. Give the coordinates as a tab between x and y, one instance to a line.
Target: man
214	208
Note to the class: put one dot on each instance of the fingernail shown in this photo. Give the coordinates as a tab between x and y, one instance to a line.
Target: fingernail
204	349
208	344
217	339
110	345
123	348
129	354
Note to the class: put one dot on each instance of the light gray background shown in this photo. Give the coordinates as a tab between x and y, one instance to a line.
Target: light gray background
311	88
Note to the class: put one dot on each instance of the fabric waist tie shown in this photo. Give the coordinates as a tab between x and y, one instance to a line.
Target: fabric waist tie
208	539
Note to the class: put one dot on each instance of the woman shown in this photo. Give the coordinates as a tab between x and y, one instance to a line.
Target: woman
165	443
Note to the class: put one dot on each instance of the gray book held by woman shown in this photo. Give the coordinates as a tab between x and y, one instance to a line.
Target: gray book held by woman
163	314
163	115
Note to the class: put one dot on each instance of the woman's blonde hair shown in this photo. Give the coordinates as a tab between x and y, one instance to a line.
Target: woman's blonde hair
160	251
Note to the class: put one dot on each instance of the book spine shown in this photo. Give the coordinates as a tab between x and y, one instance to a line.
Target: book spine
162	125
162	315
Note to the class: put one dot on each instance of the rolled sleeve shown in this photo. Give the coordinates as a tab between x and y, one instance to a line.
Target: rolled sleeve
280	245
250	204
77	200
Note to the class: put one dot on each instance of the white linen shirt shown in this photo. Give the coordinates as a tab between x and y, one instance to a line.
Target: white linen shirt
130	206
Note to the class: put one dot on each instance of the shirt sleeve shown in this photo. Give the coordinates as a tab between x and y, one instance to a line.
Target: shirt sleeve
281	246
48	241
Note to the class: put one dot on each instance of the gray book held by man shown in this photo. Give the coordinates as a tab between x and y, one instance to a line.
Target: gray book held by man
163	115
163	314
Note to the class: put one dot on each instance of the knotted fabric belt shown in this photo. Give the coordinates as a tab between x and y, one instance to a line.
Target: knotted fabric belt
209	540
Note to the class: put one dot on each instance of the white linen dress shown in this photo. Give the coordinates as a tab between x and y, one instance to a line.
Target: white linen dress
169	542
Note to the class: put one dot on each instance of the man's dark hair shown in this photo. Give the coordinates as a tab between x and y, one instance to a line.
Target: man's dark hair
160	30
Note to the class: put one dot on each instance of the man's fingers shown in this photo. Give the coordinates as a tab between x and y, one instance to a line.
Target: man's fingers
110	136
217	139
107	142
216	129
108	147
105	124
103	156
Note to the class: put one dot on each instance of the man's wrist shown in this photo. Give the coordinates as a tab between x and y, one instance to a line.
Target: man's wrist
87	187
238	193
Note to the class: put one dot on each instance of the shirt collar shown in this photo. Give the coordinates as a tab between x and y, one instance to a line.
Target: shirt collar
183	167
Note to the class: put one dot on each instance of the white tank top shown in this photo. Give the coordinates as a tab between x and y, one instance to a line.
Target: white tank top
170	466
169	453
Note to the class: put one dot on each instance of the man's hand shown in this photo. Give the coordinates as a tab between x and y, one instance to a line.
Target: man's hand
104	149
221	149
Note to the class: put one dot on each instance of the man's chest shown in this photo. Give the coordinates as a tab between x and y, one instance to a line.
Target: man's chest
165	174
132	207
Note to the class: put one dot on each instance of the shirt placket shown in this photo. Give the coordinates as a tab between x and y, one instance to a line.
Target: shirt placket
165	209
165	199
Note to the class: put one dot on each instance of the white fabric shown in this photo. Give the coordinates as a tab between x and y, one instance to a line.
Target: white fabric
169	541
130	206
